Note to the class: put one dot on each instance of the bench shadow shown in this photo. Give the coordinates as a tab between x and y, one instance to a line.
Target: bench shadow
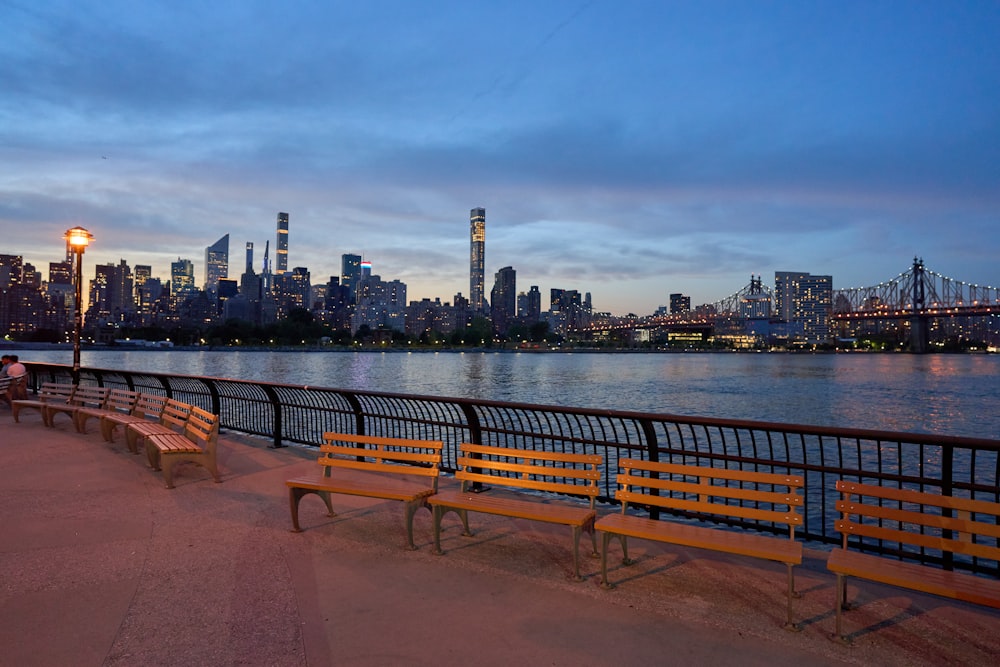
632	574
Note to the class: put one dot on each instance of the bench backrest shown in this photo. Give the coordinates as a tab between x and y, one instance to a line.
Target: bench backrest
740	494
121	400
378	454
918	518
90	396
553	472
149	406
175	414
56	392
202	427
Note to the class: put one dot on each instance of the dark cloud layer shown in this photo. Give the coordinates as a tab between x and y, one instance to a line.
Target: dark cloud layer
627	149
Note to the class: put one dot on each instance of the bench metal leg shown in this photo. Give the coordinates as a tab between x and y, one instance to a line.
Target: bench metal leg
296	494
605	538
841	605
411	510
438	512
576	552
789	624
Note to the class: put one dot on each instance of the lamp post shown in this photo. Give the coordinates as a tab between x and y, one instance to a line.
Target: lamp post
77	240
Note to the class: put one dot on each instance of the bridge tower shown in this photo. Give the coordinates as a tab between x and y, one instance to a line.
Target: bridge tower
919	330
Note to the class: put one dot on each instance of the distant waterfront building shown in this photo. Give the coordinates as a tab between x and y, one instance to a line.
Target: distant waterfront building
503	300
477	259
216	264
805	300
281	250
679	303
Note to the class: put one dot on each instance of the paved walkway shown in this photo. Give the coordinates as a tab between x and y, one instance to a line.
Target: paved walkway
101	565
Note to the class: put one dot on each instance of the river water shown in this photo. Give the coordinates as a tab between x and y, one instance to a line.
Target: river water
943	394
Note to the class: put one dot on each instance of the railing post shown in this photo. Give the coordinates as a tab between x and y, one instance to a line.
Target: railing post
653	454
475	438
272	396
359	414
947	489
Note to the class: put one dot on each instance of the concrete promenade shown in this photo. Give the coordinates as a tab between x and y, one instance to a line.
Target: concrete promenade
101	565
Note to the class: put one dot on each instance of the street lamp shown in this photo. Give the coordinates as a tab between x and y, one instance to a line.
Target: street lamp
77	240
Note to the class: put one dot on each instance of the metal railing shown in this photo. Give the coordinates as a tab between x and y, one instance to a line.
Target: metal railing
283	414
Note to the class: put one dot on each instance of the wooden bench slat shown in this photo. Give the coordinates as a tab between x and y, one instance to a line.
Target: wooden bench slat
962	524
566	488
715	473
715	490
529	469
532	454
533	510
900	536
378	465
710	507
918	497
734	542
913	576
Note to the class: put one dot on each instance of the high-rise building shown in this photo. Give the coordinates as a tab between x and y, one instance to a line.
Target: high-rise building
477	259
181	281
533	305
112	294
249	262
805	300
503	300
216	264
282	247
350	275
679	303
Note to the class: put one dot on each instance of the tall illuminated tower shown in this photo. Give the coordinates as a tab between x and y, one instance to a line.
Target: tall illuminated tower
216	264
281	250
477	259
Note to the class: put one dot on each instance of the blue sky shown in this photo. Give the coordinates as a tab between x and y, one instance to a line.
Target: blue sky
630	149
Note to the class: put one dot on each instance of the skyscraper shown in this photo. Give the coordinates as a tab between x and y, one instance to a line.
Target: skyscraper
477	259
181	281
503	300
216	264
350	275
282	247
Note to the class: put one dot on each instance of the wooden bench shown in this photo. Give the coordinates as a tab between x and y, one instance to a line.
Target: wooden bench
708	493
120	401
85	396
148	408
372	467
523	470
173	419
197	444
915	520
50	392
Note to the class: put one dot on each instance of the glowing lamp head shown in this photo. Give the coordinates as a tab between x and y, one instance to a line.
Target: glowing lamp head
78	238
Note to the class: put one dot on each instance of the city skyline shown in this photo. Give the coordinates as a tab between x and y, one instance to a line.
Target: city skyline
630	150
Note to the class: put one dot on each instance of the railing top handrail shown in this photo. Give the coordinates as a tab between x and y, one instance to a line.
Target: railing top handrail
704	422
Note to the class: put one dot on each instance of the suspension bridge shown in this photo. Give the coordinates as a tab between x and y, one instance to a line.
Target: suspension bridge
917	303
